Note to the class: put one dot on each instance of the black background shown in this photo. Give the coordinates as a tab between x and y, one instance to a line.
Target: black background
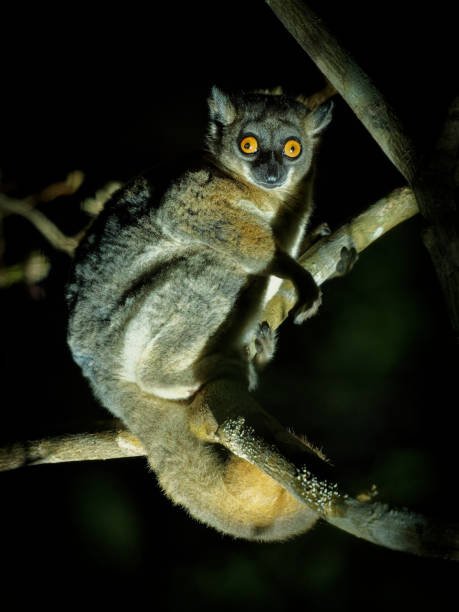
372	379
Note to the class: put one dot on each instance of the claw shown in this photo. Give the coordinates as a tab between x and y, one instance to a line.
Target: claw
265	343
347	260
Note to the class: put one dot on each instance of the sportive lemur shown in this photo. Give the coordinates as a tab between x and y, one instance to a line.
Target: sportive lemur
168	288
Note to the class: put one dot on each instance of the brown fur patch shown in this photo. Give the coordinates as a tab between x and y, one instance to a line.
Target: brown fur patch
259	498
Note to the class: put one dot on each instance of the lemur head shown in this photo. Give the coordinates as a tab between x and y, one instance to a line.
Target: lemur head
267	138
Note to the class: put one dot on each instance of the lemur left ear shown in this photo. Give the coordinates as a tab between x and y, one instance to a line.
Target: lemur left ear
318	120
220	106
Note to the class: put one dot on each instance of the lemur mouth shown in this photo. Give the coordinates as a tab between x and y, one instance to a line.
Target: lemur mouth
266	185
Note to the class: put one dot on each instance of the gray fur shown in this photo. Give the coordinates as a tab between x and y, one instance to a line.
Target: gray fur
169	284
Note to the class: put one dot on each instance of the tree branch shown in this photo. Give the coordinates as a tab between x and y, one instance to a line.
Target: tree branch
372	521
321	259
341	70
46	227
437	192
112	442
33	270
433	185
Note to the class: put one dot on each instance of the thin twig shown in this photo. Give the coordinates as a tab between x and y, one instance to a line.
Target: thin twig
46	227
33	270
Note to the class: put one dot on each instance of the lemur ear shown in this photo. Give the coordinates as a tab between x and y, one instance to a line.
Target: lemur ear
318	120
220	106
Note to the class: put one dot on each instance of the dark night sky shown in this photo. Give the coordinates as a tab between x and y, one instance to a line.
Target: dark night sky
370	379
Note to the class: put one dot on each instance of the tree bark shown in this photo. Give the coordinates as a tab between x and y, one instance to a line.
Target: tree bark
346	76
434	183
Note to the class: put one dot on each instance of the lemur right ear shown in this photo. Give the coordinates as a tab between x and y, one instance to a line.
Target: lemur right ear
318	120
220	107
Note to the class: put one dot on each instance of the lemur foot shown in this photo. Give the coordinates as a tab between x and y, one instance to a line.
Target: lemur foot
347	260
322	230
265	343
314	236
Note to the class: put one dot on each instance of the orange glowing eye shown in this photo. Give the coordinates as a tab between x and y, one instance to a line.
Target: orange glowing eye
292	148
249	145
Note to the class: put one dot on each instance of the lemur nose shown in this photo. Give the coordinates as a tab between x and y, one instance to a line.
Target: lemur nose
272	173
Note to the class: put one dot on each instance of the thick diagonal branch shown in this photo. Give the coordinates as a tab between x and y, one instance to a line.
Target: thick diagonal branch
343	72
434	183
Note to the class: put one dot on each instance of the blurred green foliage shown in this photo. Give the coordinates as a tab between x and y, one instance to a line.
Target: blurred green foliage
109	525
